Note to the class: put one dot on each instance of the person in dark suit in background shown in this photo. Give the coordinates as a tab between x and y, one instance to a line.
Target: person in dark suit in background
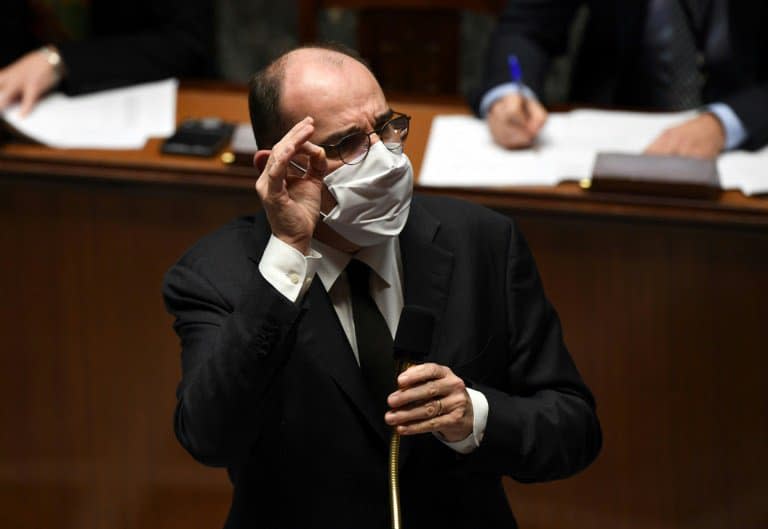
654	54
286	321
84	46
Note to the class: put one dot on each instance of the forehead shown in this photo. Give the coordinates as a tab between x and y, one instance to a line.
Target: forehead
336	90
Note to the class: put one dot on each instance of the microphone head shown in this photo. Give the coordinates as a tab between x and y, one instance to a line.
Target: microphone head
413	339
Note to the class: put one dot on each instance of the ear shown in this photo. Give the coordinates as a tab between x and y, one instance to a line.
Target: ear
260	159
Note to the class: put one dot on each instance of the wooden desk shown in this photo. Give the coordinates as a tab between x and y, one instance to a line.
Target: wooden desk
663	304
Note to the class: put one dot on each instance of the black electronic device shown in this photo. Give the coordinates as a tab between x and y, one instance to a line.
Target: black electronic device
199	137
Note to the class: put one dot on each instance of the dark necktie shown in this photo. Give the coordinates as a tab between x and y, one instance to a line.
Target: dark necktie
672	58
374	341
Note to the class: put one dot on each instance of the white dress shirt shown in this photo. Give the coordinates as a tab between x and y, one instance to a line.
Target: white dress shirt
291	273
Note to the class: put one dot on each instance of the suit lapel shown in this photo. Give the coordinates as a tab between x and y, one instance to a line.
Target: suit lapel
746	19
426	268
328	346
427	271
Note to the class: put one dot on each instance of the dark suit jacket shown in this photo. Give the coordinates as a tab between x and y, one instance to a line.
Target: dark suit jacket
129	41
607	68
271	390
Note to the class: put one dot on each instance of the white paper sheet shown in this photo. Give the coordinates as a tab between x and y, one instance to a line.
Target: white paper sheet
122	118
747	171
460	152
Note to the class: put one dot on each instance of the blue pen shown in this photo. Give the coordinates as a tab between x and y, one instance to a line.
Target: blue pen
515	71
516	76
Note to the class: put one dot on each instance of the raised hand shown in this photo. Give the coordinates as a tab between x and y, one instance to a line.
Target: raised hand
291	197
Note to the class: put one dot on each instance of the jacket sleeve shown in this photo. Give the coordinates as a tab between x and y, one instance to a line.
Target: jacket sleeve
542	423
751	106
175	40
232	357
535	31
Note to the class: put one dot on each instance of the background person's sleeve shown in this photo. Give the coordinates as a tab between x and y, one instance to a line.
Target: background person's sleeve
536	32
176	39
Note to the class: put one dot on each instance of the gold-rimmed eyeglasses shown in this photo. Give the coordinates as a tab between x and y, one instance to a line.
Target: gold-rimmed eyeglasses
353	148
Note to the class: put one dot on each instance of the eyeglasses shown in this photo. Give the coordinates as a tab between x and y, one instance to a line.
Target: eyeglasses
353	149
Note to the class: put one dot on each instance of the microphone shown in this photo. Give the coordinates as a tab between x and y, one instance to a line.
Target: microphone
413	341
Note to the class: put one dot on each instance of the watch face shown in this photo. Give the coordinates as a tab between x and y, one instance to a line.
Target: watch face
54	59
51	55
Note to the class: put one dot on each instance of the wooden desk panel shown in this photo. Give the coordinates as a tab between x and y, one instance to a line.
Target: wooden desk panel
663	305
666	323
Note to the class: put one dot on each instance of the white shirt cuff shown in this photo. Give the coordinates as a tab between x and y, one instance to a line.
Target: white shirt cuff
287	269
480	418
735	133
497	92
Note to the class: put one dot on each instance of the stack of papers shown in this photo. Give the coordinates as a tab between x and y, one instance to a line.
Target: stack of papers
122	118
461	153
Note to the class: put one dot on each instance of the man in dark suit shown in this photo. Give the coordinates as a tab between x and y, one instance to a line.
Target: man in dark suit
279	383
87	45
654	54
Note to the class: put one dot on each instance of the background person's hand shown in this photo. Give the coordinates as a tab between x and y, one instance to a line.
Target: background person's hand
700	137
291	198
27	79
515	121
431	398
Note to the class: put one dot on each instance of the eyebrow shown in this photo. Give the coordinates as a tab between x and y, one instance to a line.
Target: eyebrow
336	137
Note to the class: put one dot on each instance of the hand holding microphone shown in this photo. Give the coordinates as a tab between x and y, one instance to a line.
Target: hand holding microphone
430	397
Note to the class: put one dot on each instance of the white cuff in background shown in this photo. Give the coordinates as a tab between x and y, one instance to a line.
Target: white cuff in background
287	269
497	92
480	416
735	133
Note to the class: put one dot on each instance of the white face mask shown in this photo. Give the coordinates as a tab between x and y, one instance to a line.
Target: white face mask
373	198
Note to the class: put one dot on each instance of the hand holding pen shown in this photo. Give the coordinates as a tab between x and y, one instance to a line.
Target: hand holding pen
514	119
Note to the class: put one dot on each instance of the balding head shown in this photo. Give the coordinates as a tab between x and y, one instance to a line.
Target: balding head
296	82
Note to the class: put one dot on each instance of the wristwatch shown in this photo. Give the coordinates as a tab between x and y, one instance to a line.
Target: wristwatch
53	57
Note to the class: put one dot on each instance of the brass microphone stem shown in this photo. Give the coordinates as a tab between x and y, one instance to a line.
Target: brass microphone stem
394	480
394	466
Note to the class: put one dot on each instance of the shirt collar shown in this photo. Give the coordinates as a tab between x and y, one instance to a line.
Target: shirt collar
382	258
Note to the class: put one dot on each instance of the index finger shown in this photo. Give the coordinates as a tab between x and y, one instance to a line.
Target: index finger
276	169
421	373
